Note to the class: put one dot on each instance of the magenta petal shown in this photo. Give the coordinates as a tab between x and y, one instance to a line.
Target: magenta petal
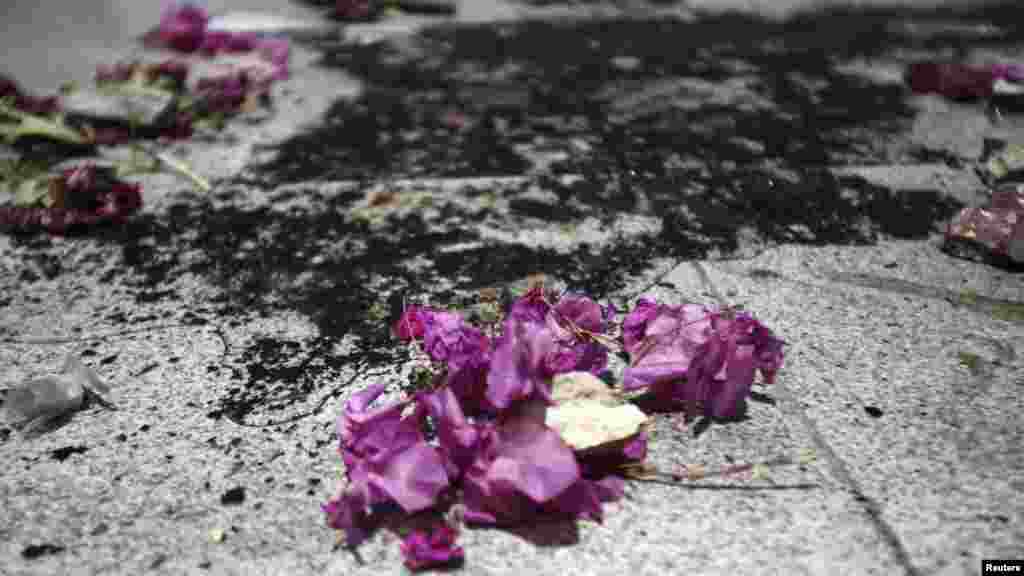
183	26
456	436
533	459
581	311
411	324
423	549
954	81
634	325
276	51
730	394
530	307
518	365
412	478
347	513
581	500
636	448
692	354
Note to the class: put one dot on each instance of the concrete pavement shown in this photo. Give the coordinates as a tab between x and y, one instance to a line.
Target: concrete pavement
783	173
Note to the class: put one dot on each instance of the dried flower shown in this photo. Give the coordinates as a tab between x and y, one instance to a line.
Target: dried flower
427	549
78	198
693	354
183	26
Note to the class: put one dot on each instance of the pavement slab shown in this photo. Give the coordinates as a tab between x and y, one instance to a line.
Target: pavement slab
769	163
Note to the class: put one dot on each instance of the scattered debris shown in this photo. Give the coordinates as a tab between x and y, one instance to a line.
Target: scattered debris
1007	161
873	411
33	551
217	535
233	496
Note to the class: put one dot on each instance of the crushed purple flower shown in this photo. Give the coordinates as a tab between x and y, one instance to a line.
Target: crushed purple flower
489	448
693	354
428	549
79	198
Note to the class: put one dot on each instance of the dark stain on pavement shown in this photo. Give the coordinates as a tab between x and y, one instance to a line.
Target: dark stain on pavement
722	128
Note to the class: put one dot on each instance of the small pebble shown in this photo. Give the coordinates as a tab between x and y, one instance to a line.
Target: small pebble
233	496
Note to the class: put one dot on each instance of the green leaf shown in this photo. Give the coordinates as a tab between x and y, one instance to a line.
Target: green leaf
33	191
970	361
31	125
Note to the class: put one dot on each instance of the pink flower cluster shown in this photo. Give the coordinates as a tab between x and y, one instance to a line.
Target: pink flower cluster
81	197
490	448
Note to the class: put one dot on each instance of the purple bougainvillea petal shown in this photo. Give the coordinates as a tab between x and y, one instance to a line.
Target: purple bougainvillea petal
412	477
954	81
518	368
533	460
348	513
431	548
183	26
692	354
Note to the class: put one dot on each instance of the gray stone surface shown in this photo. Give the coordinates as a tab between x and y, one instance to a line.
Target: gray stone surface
903	374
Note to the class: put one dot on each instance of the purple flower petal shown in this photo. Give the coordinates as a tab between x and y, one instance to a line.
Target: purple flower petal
412	477
691	354
183	26
423	549
518	365
519	466
530	307
348	512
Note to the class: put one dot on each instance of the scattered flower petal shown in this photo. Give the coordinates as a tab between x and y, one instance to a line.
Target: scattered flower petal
428	549
518	369
183	26
693	354
954	81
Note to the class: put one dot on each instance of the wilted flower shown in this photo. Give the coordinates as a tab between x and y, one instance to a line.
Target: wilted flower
183	26
427	549
79	198
993	226
692	354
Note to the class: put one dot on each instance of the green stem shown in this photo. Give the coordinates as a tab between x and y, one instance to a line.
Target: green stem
182	169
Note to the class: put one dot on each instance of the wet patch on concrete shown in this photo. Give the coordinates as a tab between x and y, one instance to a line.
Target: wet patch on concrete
724	141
